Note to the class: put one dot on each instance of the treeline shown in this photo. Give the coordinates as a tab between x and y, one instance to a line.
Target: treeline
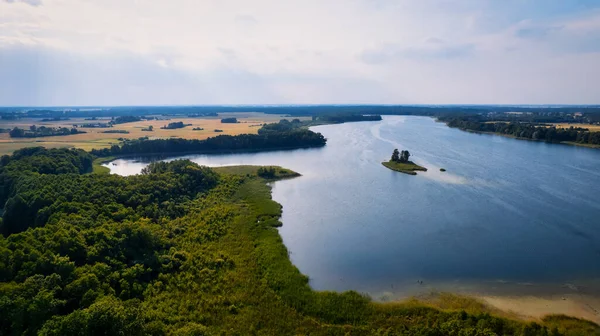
526	130
553	115
175	125
285	125
42	131
342	118
126	119
297	110
229	121
54	119
97	125
116	131
301	138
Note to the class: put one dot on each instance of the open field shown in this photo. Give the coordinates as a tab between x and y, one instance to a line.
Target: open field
592	128
249	123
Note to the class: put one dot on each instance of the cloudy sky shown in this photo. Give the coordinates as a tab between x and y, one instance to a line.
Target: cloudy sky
171	52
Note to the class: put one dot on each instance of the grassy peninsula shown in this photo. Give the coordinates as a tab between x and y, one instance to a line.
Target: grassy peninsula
400	163
185	250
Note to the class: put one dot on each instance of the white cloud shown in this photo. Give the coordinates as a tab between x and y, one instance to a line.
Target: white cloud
310	51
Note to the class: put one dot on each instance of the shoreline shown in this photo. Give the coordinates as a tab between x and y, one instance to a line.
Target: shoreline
568	143
530	307
102	160
516	300
164	155
409	167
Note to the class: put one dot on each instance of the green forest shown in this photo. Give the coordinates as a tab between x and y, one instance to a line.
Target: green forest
175	125
288	139
525	130
538	113
42	131
229	121
285	125
182	249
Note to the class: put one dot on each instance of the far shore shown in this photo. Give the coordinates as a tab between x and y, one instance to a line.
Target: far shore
569	143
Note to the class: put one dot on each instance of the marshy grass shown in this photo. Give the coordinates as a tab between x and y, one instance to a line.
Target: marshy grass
409	167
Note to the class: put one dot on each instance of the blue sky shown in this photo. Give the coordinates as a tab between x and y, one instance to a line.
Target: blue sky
134	52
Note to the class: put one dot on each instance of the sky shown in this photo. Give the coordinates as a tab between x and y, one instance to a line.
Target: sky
207	52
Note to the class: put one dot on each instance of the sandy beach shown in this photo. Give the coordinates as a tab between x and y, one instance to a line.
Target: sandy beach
534	308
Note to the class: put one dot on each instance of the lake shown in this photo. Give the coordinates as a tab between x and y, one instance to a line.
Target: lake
508	216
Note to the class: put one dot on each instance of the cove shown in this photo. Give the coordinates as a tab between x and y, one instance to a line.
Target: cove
508	216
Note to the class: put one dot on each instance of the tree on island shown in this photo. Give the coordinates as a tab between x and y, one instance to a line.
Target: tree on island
404	155
396	155
400	156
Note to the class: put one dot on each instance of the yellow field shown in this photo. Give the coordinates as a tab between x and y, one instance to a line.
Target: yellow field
592	128
249	123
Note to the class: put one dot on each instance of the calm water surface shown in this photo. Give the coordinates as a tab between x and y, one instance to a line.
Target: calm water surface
508	216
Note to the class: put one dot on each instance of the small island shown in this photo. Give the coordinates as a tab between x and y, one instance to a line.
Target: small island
400	163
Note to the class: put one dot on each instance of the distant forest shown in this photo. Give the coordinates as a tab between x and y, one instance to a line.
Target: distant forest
524	130
286	138
126	119
526	122
295	110
229	121
175	125
42	131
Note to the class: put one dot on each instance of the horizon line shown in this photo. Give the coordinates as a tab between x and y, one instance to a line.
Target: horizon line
300	105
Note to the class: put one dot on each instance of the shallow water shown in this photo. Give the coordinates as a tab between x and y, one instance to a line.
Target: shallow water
508	216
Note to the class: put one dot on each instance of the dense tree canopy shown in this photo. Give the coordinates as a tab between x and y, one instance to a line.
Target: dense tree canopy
42	131
299	138
24	162
400	156
283	125
174	125
85	247
526	130
229	121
